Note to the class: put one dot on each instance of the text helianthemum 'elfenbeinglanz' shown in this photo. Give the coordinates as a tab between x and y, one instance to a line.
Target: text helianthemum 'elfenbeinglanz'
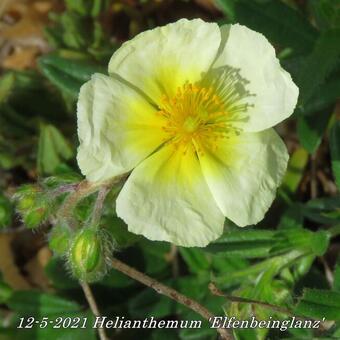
187	110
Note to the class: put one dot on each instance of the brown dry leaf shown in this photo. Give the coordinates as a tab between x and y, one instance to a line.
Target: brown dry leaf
8	268
35	269
21	28
30	19
21	58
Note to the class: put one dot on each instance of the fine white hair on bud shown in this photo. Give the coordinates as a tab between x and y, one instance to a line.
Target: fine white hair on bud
90	253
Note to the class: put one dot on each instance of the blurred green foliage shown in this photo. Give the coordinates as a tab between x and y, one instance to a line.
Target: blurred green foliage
280	262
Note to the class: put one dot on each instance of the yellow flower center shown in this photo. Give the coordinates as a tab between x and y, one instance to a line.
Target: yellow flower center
197	116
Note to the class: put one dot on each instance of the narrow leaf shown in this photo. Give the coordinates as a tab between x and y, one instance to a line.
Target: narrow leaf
311	129
52	149
36	303
319	304
244	243
319	64
295	170
81	70
277	21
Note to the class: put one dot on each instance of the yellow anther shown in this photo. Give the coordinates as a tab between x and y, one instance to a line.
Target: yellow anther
195	116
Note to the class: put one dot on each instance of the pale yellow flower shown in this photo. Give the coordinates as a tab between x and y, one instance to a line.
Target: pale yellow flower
188	108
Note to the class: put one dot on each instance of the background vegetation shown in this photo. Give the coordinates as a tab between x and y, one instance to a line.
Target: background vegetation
48	49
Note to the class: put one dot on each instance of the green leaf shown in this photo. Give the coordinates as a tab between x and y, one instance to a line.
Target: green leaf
319	304
156	256
315	243
311	129
41	304
228	8
245	334
292	218
223	264
325	96
322	61
275	292
116	279
24	97
278	22
244	243
195	259
119	231
87	8
323	210
56	272
61	80
75	30
78	69
334	143
5	292
303	266
68	74
148	302
52	149
295	170
326	13
165	333
270	267
6	85
203	333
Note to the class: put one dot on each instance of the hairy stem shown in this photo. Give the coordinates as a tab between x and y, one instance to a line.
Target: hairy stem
64	189
83	189
94	308
171	293
98	206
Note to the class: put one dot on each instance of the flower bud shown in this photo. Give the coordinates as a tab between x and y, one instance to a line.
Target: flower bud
59	239
88	254
61	179
32	205
35	217
26	197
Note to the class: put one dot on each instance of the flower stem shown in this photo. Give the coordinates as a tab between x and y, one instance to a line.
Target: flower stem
98	206
83	189
171	293
94	307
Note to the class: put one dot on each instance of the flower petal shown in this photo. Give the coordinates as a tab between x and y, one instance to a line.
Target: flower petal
244	173
159	61
117	128
275	92
166	198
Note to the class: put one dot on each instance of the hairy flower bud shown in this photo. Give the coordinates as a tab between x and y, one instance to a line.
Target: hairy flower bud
32	204
88	254
60	239
35	217
26	197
